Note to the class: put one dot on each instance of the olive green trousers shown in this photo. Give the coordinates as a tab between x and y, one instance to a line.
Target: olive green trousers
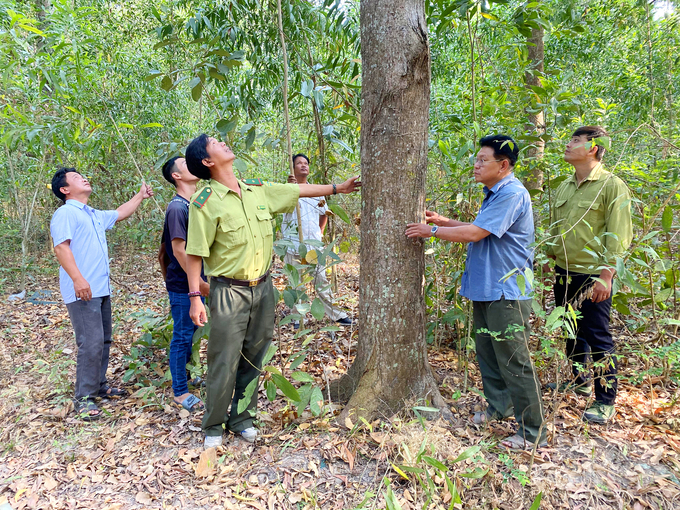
511	386
241	330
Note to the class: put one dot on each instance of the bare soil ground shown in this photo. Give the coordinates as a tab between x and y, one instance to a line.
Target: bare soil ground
146	452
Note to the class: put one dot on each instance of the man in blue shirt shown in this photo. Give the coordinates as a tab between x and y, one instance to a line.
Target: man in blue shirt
500	239
79	237
176	173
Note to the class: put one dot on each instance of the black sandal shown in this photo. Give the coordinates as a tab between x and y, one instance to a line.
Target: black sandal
108	391
86	409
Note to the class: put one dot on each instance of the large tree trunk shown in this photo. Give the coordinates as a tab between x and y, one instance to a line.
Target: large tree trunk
391	364
536	126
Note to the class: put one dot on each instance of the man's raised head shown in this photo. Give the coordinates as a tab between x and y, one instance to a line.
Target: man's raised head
590	133
59	180
169	168
504	147
196	152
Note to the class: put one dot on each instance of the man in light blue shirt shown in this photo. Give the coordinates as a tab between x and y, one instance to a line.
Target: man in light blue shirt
79	237
500	245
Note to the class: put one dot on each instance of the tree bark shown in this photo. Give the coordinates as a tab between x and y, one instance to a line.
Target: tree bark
536	126
391	365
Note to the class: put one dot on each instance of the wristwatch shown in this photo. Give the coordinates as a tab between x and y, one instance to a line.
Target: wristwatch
433	232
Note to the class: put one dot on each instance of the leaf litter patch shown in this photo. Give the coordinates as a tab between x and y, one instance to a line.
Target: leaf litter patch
147	453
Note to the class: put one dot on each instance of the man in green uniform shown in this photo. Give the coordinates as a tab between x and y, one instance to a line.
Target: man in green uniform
230	229
591	226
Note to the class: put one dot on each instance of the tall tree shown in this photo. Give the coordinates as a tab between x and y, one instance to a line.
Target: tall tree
536	125
391	364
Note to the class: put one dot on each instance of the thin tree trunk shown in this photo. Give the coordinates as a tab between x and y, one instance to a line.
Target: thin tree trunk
285	112
391	364
536	126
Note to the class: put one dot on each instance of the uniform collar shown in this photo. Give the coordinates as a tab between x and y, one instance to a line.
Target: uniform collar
76	203
497	187
595	174
222	191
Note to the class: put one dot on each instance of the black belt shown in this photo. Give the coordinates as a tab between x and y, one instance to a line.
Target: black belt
242	283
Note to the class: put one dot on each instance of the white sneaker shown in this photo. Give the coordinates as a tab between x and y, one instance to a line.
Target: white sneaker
212	442
249	434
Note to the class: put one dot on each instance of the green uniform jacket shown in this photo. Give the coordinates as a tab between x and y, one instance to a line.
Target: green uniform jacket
234	234
591	223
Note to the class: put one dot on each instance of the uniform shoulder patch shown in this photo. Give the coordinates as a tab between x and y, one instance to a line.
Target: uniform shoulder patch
202	197
253	182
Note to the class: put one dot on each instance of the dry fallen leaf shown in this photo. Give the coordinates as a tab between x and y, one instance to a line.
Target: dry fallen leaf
143	498
206	463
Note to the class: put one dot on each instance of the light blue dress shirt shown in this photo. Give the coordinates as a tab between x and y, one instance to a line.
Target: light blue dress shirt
506	213
86	228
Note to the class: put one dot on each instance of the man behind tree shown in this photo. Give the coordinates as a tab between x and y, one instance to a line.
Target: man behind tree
314	219
174	238
500	239
79	237
230	229
591	227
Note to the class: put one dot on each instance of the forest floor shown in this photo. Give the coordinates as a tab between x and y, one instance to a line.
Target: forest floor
146	452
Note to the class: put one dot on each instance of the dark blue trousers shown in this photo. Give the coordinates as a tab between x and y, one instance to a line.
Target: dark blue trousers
593	338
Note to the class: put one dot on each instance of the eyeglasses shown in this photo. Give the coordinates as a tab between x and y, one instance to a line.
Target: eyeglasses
482	161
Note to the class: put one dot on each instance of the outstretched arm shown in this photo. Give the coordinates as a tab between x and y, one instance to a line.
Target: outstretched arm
467	233
319	190
126	209
442	221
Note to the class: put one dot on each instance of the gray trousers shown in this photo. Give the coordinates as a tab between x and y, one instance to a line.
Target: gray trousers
323	290
241	330
92	325
502	333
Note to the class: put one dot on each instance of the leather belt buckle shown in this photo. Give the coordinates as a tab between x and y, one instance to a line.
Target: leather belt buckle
253	283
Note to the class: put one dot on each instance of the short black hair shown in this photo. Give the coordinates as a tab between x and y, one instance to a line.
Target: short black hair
168	168
59	181
300	155
503	147
195	154
593	132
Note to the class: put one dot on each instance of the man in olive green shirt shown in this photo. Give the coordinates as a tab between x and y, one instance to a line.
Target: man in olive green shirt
591	227
230	230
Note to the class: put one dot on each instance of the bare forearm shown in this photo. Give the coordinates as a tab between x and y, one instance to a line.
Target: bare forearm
323	221
465	233
193	270
67	261
125	210
607	274
316	190
179	251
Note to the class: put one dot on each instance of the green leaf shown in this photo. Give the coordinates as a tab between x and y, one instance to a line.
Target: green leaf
435	463
537	502
197	90
316	401
286	387
166	83
667	219
522	284
337	209
475	473
225	126
302	377
270	354
306	88
318	310
470	452
151	124
250	138
247	395
271	390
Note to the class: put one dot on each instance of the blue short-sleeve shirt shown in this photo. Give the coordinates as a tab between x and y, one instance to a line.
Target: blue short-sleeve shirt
506	213
86	228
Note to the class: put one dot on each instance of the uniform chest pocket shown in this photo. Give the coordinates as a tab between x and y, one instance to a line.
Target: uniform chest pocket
591	211
233	232
265	221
